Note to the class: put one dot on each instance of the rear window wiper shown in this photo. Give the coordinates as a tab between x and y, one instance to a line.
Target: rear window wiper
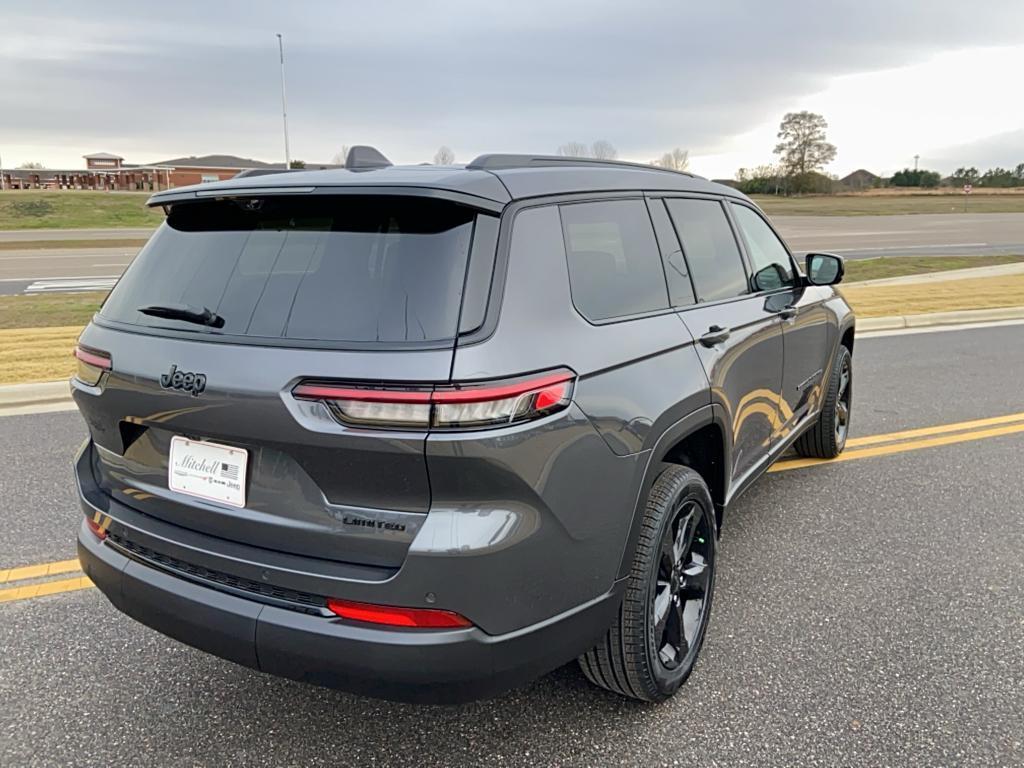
184	312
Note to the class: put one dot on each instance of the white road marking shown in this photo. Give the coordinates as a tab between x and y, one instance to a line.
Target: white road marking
70	286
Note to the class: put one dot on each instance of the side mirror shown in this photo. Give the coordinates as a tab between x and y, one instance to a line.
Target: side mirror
824	268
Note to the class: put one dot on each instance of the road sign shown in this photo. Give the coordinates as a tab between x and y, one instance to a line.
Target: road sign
967	189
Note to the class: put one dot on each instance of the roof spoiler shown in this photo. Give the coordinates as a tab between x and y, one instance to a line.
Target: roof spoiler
364	158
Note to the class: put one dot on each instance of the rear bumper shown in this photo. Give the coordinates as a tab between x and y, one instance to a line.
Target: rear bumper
408	665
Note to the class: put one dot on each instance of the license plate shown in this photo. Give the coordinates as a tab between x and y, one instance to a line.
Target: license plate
207	470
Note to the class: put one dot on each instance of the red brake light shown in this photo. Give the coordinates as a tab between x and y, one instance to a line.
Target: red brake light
93	357
391	616
91	364
459	406
99	530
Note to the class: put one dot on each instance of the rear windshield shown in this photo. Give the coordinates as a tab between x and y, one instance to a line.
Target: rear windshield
325	268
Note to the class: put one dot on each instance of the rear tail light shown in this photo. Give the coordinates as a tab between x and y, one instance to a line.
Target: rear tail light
91	364
99	530
460	406
391	616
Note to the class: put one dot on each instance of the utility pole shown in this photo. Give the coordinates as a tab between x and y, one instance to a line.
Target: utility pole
284	105
915	162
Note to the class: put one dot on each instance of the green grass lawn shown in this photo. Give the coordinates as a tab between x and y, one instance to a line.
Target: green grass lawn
49	245
34	209
875	205
898	266
49	309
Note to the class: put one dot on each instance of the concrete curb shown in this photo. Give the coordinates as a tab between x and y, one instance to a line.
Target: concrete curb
961	317
35	398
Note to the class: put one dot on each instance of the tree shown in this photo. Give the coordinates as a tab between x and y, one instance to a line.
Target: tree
298	164
915	178
803	148
676	160
444	156
762	180
603	150
30	166
574	149
340	157
965	176
998	177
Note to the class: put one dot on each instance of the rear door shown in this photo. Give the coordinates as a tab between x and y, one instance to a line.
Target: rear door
740	341
360	289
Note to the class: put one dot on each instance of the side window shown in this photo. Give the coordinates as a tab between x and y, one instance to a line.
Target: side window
710	248
768	256
677	274
614	264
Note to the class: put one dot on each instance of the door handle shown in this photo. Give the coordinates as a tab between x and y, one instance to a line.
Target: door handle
716	335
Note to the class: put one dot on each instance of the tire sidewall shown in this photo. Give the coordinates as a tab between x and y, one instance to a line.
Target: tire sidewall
690	486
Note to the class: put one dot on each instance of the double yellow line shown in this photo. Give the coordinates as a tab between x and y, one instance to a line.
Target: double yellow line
37	580
915	439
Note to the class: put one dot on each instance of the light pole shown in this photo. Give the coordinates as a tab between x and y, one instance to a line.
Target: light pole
284	105
915	162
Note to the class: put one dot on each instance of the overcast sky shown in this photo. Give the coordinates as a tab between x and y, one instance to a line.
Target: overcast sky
151	81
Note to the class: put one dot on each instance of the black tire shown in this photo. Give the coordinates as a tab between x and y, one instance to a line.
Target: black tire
633	658
827	438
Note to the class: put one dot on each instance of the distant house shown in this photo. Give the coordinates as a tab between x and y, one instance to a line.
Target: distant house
106	171
860	179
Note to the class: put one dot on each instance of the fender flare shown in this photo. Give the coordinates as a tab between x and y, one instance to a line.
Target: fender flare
689	424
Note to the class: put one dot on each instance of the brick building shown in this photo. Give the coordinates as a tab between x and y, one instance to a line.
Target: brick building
108	172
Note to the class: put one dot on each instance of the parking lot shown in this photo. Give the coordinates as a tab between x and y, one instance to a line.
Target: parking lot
867	612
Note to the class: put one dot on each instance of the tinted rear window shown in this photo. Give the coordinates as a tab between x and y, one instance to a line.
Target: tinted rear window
344	268
710	248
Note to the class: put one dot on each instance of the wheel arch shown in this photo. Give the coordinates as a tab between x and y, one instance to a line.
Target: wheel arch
702	441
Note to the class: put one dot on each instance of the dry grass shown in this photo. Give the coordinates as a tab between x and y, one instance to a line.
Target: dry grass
868	204
37	354
898	266
50	245
49	309
944	296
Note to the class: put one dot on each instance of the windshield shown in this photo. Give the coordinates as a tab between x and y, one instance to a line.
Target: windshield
329	268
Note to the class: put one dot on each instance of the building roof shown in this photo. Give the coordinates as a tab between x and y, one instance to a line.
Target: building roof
860	176
213	161
492	187
102	156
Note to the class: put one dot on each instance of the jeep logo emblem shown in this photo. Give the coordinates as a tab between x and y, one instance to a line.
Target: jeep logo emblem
188	382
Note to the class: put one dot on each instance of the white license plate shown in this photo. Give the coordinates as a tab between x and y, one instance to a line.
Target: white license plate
208	470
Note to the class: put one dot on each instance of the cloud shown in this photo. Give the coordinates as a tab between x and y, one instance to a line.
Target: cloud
191	78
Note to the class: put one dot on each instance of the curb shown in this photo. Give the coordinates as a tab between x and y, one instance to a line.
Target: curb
961	317
35	398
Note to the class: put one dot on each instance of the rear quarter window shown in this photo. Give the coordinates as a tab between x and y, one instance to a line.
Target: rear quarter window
325	268
614	263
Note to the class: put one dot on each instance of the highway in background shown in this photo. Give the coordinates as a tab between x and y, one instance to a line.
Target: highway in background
854	237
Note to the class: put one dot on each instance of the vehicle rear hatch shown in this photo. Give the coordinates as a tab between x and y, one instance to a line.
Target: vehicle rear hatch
245	299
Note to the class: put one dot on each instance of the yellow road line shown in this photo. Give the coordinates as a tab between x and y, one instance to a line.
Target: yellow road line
914	445
44	588
38	571
856	442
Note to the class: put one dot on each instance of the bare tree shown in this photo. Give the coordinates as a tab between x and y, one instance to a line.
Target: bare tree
31	166
340	157
444	156
603	150
574	149
676	160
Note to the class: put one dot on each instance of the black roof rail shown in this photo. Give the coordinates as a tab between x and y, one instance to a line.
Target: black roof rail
364	158
497	162
262	172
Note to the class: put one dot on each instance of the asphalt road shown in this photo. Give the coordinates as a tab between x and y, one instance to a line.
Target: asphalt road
867	613
855	237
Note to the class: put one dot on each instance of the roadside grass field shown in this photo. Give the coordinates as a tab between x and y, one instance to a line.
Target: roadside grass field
37	354
900	266
36	209
939	296
49	245
890	204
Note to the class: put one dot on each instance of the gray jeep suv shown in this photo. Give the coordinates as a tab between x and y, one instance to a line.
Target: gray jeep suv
426	433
